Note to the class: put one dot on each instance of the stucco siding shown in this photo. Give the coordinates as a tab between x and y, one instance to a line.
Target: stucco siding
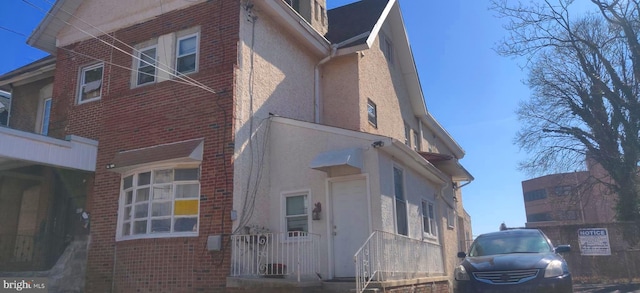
341	92
292	148
275	75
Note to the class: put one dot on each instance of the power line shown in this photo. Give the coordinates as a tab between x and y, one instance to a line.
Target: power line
12	31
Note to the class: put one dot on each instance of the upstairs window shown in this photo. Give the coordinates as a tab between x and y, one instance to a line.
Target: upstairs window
160	203
146	66
372	113
407	135
187	54
46	113
387	48
416	141
90	88
535	195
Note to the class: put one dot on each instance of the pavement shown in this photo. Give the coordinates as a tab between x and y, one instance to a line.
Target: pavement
606	288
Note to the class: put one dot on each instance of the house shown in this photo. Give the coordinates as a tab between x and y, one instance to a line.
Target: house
238	140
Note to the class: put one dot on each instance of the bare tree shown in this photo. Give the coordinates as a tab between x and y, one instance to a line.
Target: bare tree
584	73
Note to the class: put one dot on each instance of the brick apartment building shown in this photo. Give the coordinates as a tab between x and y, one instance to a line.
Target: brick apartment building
219	142
569	198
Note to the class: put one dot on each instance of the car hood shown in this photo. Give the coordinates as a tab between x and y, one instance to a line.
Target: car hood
507	262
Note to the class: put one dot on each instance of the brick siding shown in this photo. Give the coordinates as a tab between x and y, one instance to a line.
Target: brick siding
165	112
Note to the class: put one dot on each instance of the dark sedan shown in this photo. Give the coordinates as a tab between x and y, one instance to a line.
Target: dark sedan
520	260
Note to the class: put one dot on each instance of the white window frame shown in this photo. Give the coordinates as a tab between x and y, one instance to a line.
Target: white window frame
416	140
374	116
431	218
81	82
138	61
44	120
402	198
122	203
407	134
307	195
451	218
197	53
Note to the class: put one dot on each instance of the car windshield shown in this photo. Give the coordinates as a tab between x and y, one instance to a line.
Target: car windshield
509	243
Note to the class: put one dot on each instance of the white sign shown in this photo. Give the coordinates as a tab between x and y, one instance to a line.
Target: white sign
594	241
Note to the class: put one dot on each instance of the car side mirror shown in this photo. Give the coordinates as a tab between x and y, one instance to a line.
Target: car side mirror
461	254
563	248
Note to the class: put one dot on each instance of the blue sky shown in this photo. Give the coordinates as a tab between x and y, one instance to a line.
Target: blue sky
470	90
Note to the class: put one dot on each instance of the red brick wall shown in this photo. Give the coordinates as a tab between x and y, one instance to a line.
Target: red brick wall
125	119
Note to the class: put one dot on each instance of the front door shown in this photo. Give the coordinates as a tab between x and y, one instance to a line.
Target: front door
350	223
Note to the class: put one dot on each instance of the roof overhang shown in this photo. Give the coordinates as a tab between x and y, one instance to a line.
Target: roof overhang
351	157
45	35
188	151
40	69
414	160
19	148
296	25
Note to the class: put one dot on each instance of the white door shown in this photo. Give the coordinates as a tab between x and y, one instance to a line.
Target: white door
350	224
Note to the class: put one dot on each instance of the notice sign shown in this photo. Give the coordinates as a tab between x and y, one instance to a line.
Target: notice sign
594	241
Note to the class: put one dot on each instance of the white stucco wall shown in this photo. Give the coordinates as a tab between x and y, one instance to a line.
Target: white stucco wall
98	16
275	75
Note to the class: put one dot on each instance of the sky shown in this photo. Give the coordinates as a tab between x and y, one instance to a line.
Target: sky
468	88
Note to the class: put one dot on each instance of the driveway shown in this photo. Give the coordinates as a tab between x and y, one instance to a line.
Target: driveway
612	288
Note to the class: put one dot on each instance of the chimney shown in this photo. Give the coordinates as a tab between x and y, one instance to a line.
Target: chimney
313	11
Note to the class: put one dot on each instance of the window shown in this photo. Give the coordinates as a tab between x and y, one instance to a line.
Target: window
416	141
407	135
372	112
90	83
187	54
401	204
563	190
540	217
387	48
296	215
535	195
146	66
451	218
46	113
295	4
429	226
160	203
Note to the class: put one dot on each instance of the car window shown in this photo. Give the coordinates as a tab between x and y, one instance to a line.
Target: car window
509	243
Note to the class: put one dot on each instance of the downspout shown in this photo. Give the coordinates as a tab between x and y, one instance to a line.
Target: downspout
318	91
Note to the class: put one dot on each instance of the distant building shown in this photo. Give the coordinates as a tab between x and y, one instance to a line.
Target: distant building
569	198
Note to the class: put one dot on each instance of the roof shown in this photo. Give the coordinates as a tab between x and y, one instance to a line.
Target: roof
352	20
41	66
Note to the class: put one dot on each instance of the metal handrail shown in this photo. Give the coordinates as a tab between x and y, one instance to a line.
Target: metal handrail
276	255
387	256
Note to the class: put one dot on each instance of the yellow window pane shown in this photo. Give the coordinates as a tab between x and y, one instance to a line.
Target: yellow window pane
186	207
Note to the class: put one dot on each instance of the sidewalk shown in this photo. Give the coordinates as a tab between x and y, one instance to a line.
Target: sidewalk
606	288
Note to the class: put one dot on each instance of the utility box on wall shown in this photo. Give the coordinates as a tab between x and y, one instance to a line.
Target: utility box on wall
214	243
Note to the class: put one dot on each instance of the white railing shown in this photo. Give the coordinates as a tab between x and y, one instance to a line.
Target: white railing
276	255
387	256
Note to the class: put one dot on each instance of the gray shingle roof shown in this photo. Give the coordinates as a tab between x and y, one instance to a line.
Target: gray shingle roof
354	19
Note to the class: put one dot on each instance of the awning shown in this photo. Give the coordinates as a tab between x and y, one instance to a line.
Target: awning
19	148
351	157
184	152
448	165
